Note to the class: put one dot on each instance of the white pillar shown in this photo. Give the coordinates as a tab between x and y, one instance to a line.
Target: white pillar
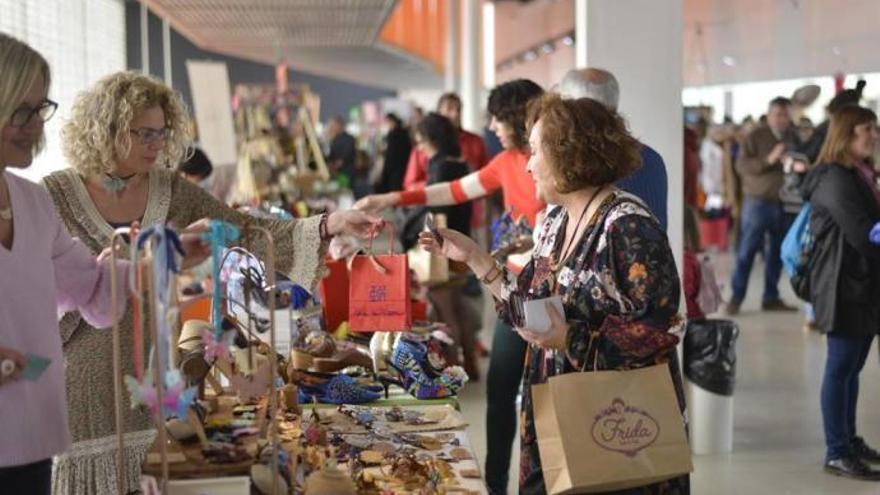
580	34
145	39
452	45
640	42
166	53
728	104
470	68
488	44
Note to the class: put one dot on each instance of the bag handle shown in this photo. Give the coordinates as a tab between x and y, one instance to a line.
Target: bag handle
372	256
593	335
390	239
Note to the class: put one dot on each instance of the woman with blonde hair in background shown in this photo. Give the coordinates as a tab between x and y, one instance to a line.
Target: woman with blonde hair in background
42	266
126	135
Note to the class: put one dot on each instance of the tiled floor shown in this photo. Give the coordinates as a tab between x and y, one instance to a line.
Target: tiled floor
778	441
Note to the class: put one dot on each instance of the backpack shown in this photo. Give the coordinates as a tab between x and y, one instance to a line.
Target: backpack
797	250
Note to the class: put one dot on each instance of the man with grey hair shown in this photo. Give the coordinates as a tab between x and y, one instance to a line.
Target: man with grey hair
648	182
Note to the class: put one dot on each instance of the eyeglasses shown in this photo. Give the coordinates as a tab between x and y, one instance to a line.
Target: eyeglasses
147	135
23	115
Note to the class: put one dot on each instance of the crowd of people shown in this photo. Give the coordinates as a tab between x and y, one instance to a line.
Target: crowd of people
761	176
595	197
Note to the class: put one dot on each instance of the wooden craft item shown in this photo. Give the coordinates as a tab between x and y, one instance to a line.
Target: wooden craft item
173	451
194	421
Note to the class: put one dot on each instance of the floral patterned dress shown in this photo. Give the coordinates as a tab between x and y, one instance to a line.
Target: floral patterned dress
622	268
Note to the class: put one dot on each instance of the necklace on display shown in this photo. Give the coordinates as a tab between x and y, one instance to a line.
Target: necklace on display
114	183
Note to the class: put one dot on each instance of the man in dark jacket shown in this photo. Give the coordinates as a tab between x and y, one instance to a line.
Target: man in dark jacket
343	154
763	224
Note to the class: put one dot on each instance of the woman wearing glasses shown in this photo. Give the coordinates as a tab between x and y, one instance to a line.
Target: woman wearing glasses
601	251
125	136
40	264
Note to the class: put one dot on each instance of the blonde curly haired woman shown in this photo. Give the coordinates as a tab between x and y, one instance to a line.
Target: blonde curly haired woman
125	136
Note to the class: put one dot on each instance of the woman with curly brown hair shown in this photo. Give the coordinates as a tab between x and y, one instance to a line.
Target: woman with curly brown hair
601	250
124	139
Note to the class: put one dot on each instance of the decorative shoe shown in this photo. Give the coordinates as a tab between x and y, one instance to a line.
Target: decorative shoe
421	366
861	450
341	389
510	236
851	467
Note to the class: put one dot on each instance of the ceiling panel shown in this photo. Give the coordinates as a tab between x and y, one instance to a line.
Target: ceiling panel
334	38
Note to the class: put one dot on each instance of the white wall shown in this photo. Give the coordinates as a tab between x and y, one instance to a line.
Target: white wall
82	40
779	39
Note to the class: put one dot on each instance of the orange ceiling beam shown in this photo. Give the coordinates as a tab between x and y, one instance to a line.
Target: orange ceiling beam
419	28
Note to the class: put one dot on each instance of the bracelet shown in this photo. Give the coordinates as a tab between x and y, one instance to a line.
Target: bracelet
485	278
322	228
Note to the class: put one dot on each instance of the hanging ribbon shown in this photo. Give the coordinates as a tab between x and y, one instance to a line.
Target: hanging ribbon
166	249
219	234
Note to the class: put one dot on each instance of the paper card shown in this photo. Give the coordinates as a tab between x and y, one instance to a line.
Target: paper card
536	317
34	367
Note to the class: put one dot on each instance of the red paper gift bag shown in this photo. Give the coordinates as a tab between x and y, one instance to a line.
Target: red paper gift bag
379	292
334	294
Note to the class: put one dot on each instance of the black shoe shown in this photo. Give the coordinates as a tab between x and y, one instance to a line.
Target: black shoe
731	308
851	467
777	305
861	450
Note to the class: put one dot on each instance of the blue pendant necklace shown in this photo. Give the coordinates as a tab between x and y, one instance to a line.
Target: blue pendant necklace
114	183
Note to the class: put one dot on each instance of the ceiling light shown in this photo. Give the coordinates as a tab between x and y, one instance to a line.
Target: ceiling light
548	47
568	41
728	61
530	55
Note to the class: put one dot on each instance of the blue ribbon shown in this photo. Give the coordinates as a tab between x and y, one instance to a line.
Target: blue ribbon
219	234
166	248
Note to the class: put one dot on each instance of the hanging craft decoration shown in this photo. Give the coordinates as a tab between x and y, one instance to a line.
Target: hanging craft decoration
177	398
175	401
252	387
166	250
217	349
219	235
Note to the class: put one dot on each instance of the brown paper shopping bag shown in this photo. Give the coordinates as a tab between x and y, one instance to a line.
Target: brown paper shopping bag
609	430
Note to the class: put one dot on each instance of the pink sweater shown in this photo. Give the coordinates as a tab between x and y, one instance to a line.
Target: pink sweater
45	272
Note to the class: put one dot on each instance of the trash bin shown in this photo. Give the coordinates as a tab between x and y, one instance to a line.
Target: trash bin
710	368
